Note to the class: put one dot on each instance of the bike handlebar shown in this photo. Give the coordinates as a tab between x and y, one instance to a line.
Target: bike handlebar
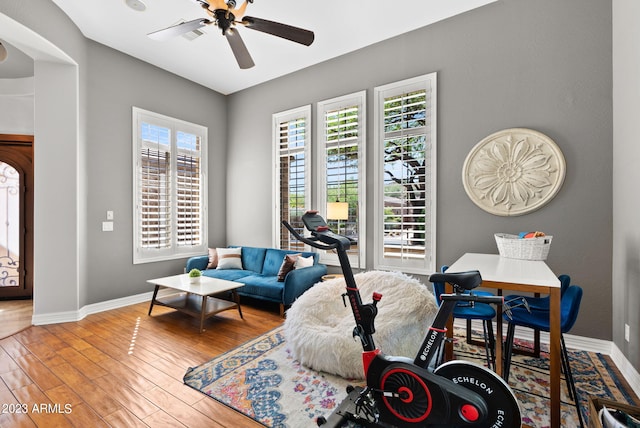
313	241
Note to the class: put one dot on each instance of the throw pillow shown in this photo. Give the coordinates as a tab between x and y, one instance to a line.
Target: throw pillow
229	258
303	262
288	264
213	259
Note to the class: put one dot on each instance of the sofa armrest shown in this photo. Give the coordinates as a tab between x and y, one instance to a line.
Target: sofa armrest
197	262
300	280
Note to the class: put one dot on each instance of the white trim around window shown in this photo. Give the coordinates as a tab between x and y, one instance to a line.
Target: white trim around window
292	174
405	191
169	187
340	143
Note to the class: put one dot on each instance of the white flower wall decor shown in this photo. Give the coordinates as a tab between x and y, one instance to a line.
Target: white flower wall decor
513	172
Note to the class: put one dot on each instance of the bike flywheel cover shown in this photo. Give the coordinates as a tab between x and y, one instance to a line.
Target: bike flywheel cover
502	405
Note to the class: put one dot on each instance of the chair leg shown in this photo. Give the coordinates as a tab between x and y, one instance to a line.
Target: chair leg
570	382
508	351
489	343
566	370
492	343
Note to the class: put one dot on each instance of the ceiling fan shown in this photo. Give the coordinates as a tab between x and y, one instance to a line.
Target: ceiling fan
225	16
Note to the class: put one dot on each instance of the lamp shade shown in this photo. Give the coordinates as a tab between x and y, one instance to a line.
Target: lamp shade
338	210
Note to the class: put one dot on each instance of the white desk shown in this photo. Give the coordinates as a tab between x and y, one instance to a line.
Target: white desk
502	273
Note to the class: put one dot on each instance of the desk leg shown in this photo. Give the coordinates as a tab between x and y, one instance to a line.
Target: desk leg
555	356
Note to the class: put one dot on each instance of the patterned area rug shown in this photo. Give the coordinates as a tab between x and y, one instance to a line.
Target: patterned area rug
262	380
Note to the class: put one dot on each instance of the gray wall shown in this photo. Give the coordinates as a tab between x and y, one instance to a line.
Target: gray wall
544	65
115	83
626	176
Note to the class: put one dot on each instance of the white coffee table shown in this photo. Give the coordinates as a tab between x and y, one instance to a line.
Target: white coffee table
195	298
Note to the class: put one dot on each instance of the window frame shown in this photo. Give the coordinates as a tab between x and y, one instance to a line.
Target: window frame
425	265
302	112
174	251
358	99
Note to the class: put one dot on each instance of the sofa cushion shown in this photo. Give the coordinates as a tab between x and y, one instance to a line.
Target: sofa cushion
213	259
288	264
303	262
273	261
228	274
253	258
266	287
229	258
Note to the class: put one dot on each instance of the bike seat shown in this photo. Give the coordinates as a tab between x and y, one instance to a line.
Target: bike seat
467	280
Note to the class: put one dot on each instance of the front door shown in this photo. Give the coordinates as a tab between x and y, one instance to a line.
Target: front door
16	216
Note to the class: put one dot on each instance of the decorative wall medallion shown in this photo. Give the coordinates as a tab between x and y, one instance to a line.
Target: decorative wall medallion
513	172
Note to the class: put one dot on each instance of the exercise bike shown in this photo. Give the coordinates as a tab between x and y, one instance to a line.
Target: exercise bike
401	392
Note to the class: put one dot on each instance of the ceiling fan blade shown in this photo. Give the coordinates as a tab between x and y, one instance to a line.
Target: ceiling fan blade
239	49
295	34
178	29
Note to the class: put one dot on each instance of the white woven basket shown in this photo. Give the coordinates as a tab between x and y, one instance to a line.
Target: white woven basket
514	247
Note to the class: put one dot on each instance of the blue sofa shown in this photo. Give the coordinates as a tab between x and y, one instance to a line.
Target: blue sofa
260	274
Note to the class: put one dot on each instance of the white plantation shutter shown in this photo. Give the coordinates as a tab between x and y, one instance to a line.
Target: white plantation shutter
169	187
405	204
189	186
341	135
292	172
155	204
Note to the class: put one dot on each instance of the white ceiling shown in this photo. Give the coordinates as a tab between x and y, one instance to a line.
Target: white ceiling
340	26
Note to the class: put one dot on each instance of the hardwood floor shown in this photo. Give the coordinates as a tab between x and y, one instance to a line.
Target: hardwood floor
15	315
121	368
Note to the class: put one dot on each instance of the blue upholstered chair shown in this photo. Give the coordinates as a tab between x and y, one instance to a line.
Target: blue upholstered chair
538	303
476	311
538	319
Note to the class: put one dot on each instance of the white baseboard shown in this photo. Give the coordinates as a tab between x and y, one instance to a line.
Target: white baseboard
72	316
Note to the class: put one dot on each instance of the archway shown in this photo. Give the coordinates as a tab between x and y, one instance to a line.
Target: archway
57	268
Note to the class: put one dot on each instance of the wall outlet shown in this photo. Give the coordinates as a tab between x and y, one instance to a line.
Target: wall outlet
626	332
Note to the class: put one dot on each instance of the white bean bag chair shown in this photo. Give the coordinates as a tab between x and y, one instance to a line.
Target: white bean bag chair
318	328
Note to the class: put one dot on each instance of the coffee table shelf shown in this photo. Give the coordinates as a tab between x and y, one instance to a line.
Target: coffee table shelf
196	299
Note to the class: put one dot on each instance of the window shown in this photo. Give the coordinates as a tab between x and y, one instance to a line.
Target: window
405	159
169	171
292	172
341	180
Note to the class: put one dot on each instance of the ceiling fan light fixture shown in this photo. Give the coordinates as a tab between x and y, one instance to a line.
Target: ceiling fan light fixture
3	52
136	5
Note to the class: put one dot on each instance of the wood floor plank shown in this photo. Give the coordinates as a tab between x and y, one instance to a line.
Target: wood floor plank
178	409
16	379
82	363
161	419
132	400
124	419
100	400
222	414
39	409
38	372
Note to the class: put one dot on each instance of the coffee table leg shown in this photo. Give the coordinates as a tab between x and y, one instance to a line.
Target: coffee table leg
236	298
203	310
153	299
